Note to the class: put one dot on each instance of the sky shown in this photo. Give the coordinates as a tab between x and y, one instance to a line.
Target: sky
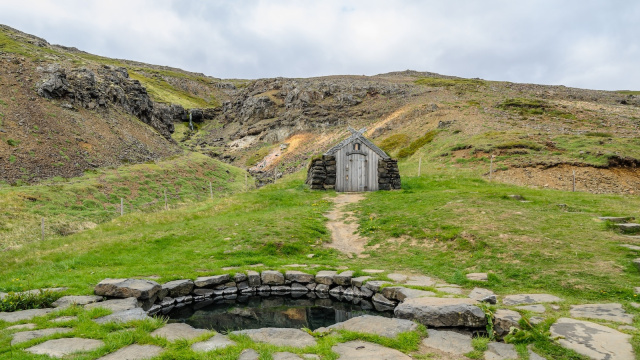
579	43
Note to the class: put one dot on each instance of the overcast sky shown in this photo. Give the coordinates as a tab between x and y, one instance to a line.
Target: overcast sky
581	43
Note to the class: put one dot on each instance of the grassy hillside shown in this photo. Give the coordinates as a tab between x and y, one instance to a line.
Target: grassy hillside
75	205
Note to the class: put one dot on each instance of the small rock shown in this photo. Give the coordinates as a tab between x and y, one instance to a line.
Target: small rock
449	341
501	351
344	278
218	341
240	277
325	277
134	352
359	281
254	278
529	299
375	285
299	276
62	347
211	281
272	277
504	320
478	276
380	299
178	288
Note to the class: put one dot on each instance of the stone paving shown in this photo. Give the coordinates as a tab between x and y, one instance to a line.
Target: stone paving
593	340
134	352
361	350
62	347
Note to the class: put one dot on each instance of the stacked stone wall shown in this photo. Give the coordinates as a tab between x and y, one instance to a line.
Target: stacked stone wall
388	175
321	173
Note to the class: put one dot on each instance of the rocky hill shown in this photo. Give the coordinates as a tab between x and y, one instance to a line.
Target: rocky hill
63	111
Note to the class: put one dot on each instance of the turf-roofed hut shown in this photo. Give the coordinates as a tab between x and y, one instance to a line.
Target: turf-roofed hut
354	165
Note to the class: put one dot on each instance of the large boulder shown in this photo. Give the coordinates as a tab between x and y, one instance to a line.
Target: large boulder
272	277
125	288
442	312
299	276
210	281
178	288
504	320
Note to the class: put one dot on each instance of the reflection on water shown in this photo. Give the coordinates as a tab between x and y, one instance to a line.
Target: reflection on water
258	312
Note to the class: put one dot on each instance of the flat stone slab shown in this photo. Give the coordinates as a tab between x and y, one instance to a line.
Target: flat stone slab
62	319
397	277
533	308
524	299
610	312
448	341
134	352
115	305
279	336
593	340
177	288
631	247
285	356
628	227
210	281
372	271
70	300
36	334
478	276
22	327
616	219
401	293
442	312
125	288
360	280
420	280
483	295
361	350
175	331
61	347
501	351
218	341
16	316
124	316
387	327
450	290
249	354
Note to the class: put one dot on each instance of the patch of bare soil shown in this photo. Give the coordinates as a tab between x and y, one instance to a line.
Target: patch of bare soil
589	179
343	226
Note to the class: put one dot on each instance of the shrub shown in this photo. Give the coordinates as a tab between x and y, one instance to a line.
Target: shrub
417	144
28	300
393	142
599	134
12	142
533	107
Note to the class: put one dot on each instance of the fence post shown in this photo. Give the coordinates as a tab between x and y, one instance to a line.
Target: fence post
121	206
574	180
420	167
42	228
246	183
491	168
165	200
211	190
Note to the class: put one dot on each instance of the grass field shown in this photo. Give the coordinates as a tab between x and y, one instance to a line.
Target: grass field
446	223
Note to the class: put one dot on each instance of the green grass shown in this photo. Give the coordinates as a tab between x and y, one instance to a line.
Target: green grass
161	91
417	144
394	142
628	92
258	155
438	82
73	206
533	107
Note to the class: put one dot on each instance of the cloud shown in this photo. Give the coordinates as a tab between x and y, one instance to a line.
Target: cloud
575	43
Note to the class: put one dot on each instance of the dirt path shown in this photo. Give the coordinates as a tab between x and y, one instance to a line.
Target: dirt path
343	226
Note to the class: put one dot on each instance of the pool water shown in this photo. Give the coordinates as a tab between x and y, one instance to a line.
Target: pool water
259	312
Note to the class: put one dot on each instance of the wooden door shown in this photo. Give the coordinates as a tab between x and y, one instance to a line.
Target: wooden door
356	172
